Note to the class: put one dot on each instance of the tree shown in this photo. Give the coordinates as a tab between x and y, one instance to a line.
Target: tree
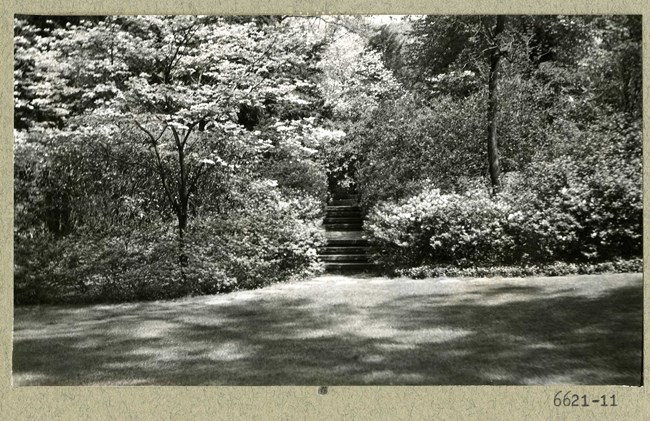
538	58
178	86
353	82
353	78
495	54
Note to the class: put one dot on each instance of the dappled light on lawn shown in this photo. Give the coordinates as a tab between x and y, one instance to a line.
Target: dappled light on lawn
338	329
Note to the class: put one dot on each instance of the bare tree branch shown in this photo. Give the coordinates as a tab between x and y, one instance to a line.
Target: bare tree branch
159	164
195	179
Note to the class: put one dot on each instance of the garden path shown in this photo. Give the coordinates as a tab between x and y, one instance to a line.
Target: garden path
346	248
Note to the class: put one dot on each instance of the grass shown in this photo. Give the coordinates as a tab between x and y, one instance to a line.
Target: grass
336	330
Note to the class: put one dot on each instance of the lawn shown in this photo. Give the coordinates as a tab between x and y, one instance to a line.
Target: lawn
335	330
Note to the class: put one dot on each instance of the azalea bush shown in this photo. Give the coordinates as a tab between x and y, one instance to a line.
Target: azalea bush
94	227
434	227
581	203
98	266
271	239
581	200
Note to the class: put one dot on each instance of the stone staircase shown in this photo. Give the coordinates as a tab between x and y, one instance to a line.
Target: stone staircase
345	250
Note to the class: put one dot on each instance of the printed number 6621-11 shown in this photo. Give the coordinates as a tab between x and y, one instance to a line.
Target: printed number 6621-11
568	399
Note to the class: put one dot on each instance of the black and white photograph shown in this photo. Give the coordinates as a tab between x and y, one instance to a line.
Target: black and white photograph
266	200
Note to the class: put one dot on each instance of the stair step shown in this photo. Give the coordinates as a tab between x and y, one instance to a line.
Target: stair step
343	235
342	208
345	196
342	220
347	243
343	214
342	250
344	202
345	267
343	227
345	250
345	258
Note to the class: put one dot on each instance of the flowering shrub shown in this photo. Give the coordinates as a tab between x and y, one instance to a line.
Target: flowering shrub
268	239
431	226
553	269
272	241
121	265
542	222
572	206
582	203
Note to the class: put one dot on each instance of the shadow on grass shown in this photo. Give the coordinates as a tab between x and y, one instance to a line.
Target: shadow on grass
506	334
575	340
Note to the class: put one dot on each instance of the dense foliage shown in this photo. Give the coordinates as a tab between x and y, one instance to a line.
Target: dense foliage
557	268
569	141
161	156
580	202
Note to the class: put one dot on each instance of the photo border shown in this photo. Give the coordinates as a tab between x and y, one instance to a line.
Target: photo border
293	402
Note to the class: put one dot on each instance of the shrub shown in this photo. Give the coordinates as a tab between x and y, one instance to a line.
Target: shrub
552	269
435	227
98	266
541	222
406	140
262	244
579	202
269	239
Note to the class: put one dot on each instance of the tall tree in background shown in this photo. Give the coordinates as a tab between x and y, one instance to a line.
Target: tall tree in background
495	53
549	65
460	56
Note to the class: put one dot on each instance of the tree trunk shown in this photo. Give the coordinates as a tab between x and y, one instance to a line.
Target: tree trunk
182	215
182	255
182	210
493	107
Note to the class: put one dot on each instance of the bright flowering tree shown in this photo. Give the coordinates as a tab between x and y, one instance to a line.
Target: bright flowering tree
353	82
167	116
178	85
354	77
